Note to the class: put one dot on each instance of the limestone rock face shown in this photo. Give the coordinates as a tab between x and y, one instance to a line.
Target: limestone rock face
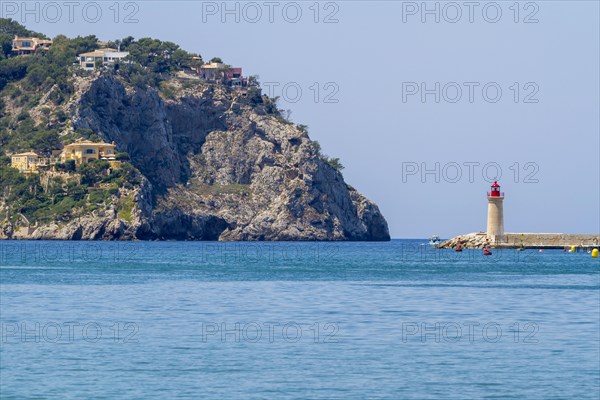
220	165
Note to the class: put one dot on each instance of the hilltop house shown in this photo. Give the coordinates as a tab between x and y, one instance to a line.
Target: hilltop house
220	73
29	45
233	77
85	151
26	163
211	72
107	56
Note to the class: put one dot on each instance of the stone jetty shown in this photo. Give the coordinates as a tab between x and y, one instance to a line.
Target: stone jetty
478	240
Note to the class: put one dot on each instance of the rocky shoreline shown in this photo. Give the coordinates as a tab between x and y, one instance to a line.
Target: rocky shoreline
478	240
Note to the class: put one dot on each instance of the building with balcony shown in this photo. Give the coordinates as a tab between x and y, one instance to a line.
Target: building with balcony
107	56
29	45
220	73
85	151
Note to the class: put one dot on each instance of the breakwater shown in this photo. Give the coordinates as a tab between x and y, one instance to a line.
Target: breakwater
478	240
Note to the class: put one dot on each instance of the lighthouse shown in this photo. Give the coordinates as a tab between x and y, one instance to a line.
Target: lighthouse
495	220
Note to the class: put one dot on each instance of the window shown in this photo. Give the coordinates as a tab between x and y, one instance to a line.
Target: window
25	44
90	151
88	65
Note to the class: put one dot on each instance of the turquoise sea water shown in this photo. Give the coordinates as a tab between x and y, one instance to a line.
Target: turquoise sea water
396	320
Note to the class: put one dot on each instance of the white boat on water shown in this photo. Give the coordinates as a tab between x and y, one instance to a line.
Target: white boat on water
435	239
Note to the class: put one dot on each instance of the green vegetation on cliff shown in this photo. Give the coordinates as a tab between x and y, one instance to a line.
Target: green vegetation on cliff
24	81
60	197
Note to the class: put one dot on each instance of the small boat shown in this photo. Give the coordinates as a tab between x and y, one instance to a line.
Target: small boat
435	239
458	248
486	252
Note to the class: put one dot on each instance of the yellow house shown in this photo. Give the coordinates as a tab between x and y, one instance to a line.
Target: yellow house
85	151
30	45
25	162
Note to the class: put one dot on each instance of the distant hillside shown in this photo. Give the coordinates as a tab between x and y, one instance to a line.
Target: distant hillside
201	160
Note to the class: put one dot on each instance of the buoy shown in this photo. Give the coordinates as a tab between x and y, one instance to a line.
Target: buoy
595	253
540	251
573	249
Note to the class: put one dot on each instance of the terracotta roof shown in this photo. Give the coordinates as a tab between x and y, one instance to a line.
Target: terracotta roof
83	142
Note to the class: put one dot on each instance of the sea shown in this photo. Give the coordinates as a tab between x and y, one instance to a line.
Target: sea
352	320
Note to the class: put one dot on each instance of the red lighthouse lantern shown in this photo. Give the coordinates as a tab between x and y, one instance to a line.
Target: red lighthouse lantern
495	190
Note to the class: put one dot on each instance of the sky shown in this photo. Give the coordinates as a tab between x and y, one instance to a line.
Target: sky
425	103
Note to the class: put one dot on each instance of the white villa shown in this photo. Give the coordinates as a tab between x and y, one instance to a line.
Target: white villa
108	56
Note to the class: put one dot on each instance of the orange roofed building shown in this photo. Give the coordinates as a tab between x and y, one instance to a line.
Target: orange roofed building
29	45
85	151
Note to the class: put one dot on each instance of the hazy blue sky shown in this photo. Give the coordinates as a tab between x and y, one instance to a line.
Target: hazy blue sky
375	55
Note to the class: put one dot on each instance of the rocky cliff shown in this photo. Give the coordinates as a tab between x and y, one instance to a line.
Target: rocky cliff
218	165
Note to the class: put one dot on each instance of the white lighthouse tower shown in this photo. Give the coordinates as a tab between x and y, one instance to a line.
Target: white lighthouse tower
495	220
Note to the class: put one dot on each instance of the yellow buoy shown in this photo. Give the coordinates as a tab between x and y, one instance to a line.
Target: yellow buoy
595	253
573	249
